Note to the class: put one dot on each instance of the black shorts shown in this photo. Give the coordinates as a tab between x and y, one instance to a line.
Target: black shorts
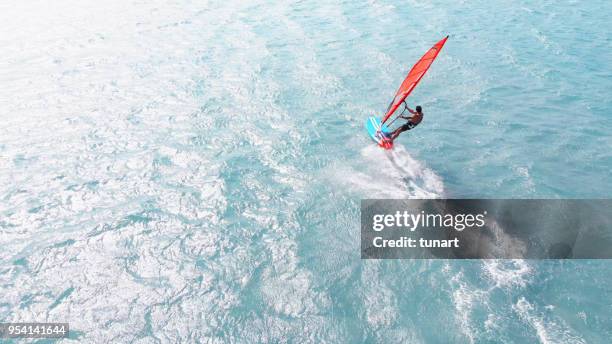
407	126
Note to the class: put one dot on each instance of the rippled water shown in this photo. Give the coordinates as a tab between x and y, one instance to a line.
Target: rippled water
192	171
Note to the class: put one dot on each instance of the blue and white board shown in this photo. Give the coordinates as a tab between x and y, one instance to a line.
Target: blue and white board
378	132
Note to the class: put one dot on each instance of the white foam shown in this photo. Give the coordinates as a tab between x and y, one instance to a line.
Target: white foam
464	299
547	331
507	273
390	174
380	302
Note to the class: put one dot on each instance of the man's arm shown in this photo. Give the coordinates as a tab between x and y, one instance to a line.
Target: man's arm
409	110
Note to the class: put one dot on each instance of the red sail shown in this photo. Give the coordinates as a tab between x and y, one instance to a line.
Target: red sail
413	78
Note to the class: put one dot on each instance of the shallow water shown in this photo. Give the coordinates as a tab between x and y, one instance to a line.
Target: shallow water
192	172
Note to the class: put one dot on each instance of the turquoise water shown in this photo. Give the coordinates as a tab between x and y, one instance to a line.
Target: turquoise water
192	172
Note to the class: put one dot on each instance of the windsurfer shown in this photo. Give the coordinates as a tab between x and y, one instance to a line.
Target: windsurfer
412	121
377	129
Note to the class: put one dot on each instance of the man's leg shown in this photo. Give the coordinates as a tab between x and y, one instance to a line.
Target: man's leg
396	132
401	129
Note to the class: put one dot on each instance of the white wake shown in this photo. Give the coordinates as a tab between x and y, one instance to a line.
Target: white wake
392	173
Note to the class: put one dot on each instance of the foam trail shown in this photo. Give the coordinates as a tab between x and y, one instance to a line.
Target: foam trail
547	329
393	174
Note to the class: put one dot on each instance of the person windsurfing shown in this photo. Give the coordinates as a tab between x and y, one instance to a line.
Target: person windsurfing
411	122
378	129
